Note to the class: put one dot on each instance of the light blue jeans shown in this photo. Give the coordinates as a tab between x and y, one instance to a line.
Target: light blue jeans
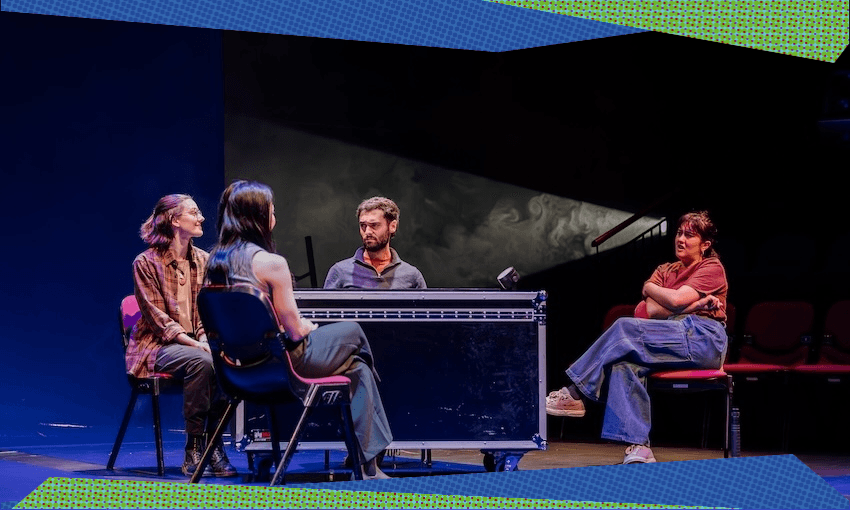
614	369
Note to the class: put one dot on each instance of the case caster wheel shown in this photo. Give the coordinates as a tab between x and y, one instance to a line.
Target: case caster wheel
262	468
502	461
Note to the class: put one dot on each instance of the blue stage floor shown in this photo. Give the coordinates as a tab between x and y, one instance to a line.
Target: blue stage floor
27	461
29	458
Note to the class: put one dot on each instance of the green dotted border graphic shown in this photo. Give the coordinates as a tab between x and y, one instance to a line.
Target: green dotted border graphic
87	493
808	29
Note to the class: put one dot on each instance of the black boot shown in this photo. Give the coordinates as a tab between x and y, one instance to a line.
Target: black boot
221	465
194	452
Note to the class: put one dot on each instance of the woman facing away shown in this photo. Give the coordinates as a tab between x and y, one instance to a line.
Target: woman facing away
679	324
169	337
245	254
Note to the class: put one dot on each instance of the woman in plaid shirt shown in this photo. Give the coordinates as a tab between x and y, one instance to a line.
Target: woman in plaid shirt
169	338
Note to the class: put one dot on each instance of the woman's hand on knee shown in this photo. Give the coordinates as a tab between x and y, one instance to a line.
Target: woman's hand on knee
308	324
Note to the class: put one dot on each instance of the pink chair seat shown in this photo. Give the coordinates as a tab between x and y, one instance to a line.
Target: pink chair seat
333	379
689	374
155	375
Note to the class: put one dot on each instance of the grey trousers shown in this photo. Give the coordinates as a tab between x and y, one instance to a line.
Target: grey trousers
342	349
203	402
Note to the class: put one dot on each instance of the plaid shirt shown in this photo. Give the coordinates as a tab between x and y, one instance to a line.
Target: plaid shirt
155	286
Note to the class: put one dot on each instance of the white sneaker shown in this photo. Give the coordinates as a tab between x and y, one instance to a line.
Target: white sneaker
561	403
638	454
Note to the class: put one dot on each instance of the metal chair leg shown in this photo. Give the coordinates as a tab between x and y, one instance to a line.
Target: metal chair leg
733	427
309	403
134	395
280	472
157	429
275	437
728	428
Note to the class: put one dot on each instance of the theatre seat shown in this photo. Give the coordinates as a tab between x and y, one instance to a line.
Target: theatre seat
827	378
777	337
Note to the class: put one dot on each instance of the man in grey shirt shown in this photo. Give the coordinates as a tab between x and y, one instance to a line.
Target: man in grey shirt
375	265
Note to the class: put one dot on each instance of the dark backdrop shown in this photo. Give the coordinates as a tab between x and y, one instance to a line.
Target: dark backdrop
624	122
101	118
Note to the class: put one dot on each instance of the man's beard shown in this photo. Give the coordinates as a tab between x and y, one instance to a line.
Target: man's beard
376	244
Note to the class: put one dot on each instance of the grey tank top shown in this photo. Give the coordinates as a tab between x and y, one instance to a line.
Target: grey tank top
240	266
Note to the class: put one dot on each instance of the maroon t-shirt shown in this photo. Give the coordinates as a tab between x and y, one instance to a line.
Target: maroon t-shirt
706	277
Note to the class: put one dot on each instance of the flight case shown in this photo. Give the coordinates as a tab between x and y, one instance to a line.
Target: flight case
459	369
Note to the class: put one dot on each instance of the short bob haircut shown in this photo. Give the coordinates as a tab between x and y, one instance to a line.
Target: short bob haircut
243	217
387	206
700	223
157	230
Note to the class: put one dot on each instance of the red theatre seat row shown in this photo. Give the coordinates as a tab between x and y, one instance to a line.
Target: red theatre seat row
782	336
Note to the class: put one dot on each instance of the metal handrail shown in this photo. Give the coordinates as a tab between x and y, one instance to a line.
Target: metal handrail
650	230
620	227
636	248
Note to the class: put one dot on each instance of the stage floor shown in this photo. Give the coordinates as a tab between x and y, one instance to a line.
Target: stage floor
26	466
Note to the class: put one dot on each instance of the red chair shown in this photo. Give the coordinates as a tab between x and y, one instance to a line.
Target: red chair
154	385
777	336
704	380
689	381
833	357
617	312
252	363
828	378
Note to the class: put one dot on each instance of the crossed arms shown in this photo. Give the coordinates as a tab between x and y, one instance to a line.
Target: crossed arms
662	302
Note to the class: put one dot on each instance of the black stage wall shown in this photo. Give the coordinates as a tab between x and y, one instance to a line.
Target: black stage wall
101	118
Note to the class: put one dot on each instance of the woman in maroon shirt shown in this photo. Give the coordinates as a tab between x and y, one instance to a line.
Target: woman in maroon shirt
679	324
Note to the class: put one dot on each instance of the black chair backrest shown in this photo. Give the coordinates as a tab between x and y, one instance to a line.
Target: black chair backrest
246	343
